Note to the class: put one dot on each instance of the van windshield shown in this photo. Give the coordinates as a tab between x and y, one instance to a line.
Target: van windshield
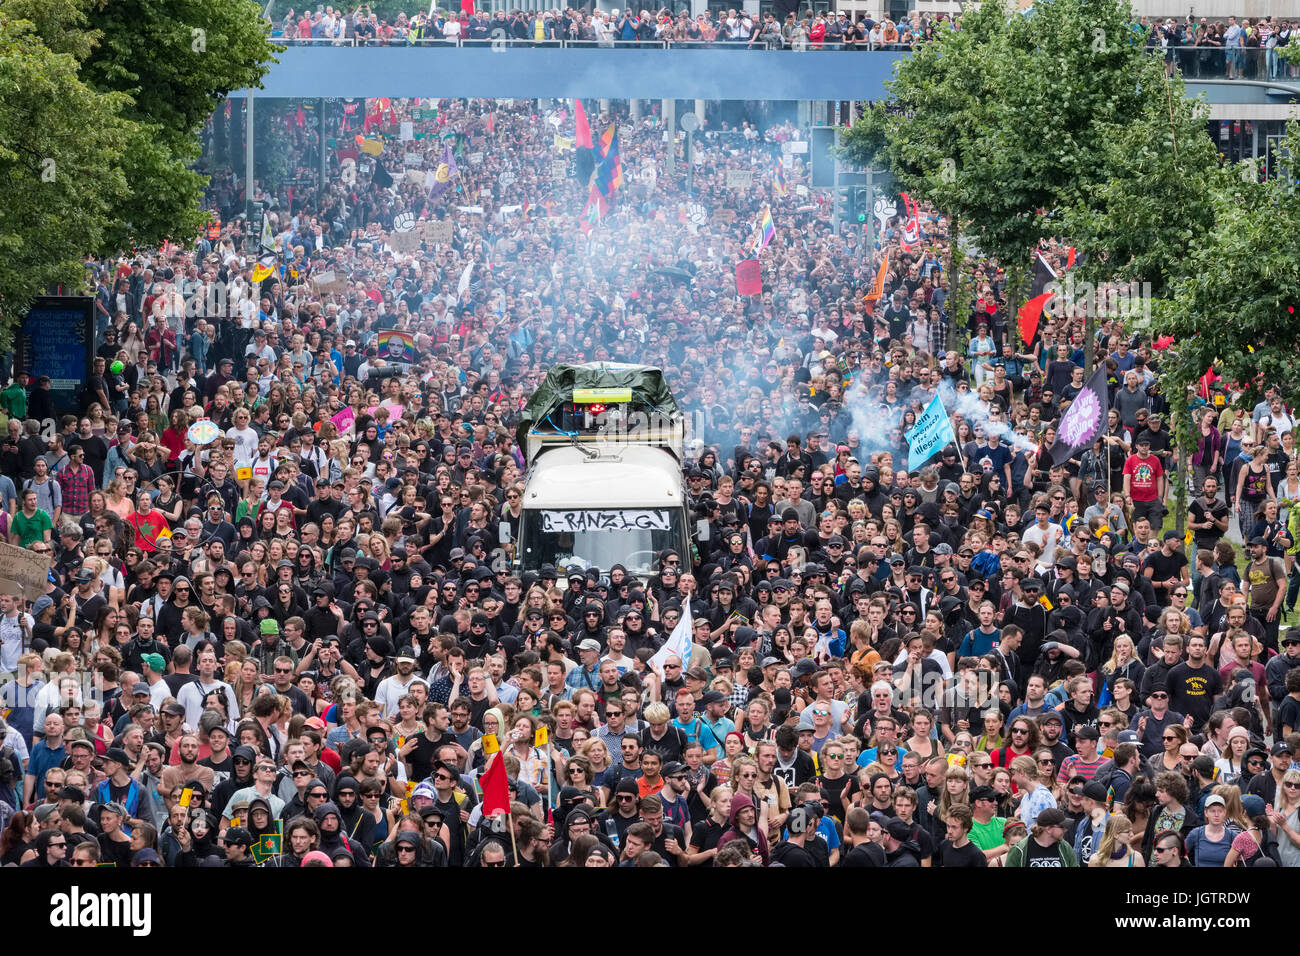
599	538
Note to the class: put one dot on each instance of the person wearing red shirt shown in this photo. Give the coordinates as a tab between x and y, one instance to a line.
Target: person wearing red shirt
1144	483
148	523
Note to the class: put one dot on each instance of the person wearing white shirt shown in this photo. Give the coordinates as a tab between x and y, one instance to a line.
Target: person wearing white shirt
192	694
244	437
15	628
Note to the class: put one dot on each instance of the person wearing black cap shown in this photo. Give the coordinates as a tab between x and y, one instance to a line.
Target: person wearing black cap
238	843
900	849
1144	482
1045	846
1092	826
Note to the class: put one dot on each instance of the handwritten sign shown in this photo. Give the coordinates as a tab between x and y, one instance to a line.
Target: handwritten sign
740	179
327	282
437	230
559	168
724	215
570	522
23	572
404	241
474	158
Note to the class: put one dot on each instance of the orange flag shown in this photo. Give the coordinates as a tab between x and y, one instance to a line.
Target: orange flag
878	287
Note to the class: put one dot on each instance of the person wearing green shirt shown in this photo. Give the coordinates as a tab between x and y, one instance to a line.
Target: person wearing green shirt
30	524
986	825
14	398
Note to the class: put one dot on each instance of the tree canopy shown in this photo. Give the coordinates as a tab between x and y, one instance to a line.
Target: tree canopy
101	106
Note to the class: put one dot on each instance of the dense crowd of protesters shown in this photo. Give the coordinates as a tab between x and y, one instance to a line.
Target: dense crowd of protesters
785	28
302	644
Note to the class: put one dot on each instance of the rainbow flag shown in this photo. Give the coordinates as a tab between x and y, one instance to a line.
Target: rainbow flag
779	181
765	231
395	346
609	174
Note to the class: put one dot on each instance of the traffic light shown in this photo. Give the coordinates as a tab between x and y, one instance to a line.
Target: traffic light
860	200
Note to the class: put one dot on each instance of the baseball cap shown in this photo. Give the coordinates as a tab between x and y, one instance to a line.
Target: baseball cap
1051	817
1215	800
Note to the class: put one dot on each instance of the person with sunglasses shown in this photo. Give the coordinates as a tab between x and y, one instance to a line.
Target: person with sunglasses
1167	850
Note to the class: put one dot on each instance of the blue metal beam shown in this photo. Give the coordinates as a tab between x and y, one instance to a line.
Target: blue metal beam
707	74
726	72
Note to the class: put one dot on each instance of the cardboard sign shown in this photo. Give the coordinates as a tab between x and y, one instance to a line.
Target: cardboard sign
413	159
404	241
24	573
559	169
437	230
740	179
327	282
474	159
724	215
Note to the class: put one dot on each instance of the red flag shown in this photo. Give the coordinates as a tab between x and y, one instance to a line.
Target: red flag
496	797
1069	258
1030	313
492	122
1207	383
749	278
582	130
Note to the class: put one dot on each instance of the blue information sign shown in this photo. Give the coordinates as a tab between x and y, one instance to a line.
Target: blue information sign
58	340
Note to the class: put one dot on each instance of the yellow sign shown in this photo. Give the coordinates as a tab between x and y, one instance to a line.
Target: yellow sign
243	474
585	396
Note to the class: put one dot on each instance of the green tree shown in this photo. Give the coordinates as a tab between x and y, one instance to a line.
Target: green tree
62	145
101	105
1003	123
176	59
1236	303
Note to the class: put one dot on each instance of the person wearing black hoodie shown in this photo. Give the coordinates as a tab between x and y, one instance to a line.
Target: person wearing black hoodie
332	838
242	759
356	824
900	849
791	851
